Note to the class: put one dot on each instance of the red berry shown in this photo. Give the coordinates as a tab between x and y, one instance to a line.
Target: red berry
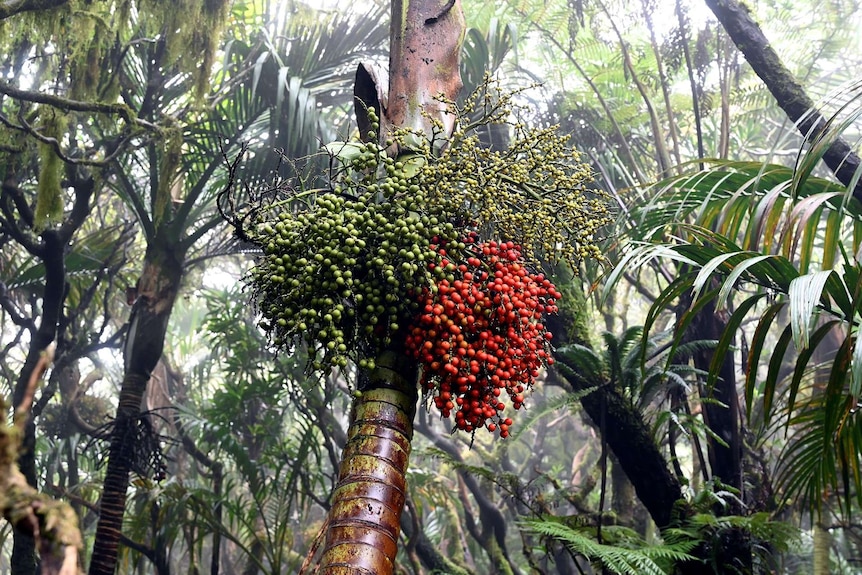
492	336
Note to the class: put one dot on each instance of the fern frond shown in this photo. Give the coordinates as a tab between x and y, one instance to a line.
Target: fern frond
613	558
567	401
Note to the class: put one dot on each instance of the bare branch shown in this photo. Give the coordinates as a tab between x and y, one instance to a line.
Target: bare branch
11	194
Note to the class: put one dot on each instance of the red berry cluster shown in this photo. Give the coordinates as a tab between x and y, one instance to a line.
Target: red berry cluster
481	333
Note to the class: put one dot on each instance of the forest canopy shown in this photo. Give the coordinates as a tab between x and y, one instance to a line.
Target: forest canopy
520	287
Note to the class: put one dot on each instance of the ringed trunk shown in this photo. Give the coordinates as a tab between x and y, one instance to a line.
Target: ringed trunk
822	542
157	290
364	521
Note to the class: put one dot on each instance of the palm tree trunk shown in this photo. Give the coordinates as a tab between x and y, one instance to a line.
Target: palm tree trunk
365	518
148	325
821	550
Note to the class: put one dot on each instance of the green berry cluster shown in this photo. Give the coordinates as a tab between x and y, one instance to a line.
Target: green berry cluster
338	263
534	191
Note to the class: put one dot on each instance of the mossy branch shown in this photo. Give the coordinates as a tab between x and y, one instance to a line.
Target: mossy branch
10	8
69	105
54	144
52	524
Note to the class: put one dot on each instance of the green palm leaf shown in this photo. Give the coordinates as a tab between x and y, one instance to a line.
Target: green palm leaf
781	246
805	293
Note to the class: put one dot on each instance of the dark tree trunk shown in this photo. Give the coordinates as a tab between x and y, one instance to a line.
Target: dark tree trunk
629	438
627	435
721	410
24	547
789	93
51	250
631	442
157	291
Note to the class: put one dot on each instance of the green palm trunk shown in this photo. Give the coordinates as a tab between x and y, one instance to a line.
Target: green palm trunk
364	521
821	550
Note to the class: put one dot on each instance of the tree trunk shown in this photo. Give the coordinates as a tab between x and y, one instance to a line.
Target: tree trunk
623	495
627	435
822	542
364	521
789	93
51	524
428	553
630	440
51	250
157	290
725	461
424	55
23	560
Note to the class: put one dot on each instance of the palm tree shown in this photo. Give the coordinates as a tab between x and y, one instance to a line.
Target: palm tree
364	520
176	204
780	245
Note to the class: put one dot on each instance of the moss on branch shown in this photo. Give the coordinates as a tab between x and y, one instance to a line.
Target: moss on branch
52	524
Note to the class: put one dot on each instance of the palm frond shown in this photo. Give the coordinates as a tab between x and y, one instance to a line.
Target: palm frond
777	245
759	206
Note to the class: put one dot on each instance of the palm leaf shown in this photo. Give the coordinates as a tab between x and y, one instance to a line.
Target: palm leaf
804	294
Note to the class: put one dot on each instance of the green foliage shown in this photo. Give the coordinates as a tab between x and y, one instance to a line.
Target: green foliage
169	163
760	235
776	245
255	428
627	555
639	365
765	537
568	401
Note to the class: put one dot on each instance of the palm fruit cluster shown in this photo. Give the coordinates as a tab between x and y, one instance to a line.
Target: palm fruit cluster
534	191
338	263
395	244
480	338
